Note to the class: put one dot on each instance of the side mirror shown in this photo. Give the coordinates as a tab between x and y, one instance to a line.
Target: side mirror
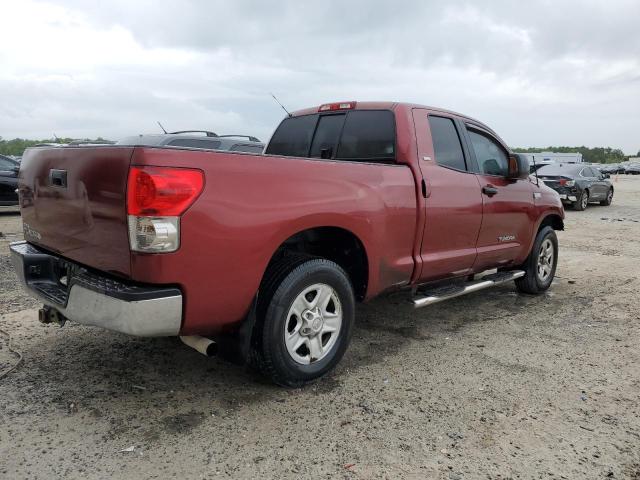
606	175
518	166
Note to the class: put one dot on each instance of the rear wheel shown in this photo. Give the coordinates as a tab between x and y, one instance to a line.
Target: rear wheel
540	266
582	202
305	321
607	201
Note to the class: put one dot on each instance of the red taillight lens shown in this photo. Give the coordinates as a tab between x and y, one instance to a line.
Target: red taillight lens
161	191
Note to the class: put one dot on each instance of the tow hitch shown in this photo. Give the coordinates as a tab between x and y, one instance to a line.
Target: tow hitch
50	315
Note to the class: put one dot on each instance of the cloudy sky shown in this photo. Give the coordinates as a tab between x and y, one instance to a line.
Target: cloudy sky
540	72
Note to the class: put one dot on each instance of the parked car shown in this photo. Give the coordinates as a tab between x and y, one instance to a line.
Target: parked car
200	139
267	254
632	169
8	181
578	185
612	168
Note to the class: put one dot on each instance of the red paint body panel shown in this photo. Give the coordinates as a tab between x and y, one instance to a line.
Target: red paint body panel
86	221
251	204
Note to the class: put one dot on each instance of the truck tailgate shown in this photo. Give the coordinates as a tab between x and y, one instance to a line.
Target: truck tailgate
73	203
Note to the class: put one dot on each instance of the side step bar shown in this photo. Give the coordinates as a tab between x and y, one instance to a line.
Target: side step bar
439	294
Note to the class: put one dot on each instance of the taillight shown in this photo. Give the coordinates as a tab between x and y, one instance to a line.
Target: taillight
156	197
565	182
328	107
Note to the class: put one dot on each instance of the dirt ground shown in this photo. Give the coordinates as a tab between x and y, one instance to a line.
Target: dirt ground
492	385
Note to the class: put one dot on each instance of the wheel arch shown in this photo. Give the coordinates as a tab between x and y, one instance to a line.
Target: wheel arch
334	243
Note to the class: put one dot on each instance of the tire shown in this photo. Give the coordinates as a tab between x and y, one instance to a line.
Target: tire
606	202
582	202
534	282
286	308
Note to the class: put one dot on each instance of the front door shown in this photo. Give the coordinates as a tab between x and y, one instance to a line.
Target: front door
453	201
508	208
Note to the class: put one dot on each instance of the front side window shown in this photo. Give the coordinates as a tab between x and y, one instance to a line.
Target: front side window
446	143
357	135
491	157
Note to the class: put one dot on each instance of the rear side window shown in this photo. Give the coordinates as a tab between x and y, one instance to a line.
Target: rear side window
195	143
368	135
491	157
293	136
358	135
239	147
446	143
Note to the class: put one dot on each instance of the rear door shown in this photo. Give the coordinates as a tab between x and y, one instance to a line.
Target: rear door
453	201
594	182
507	205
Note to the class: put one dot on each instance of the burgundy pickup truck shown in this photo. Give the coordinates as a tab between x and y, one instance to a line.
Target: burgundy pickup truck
266	255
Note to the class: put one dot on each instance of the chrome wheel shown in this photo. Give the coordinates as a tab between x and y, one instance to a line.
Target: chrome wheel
545	260
610	196
313	324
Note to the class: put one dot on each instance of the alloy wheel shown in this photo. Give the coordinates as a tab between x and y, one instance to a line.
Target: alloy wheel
313	324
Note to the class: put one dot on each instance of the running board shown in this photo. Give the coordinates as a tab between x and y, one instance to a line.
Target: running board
439	294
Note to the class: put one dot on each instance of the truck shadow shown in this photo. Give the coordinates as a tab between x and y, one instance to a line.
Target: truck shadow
113	377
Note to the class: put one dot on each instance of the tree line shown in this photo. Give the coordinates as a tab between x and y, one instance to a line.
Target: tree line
17	146
589	155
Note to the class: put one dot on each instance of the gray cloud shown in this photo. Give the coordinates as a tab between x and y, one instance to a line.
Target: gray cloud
540	73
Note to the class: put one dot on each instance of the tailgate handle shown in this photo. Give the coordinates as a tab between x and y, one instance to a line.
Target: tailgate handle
58	178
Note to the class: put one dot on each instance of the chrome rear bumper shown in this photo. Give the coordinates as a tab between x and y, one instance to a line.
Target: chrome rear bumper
90	298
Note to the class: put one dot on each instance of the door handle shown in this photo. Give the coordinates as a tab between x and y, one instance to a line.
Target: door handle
489	190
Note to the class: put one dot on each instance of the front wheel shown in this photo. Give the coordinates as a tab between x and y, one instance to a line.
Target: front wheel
306	323
540	266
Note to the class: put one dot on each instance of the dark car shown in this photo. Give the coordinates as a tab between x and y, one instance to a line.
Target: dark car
199	139
8	181
578	185
632	169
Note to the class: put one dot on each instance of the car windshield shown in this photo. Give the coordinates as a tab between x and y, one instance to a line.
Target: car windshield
560	169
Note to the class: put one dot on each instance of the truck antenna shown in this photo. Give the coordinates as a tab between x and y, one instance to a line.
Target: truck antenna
278	102
161	126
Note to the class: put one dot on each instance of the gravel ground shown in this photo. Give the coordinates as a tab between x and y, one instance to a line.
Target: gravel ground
492	385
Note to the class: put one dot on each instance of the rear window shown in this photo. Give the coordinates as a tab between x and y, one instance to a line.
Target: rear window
554	170
247	148
357	135
293	137
195	143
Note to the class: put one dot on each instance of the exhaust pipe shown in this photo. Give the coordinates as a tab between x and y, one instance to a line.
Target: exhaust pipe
204	345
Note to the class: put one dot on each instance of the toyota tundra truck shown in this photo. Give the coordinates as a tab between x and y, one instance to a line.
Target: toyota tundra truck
264	256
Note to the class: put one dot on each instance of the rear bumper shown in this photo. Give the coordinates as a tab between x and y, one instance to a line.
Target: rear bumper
568	198
91	298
